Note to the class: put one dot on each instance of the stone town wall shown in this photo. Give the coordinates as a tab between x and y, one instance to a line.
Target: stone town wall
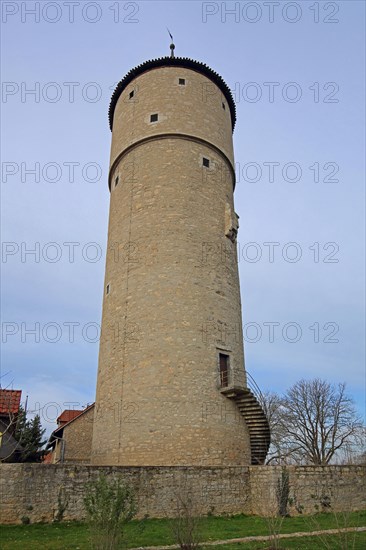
311	489
33	490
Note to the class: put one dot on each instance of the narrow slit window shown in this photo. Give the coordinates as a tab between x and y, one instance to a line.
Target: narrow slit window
154	117
182	81
131	94
116	181
224	369
223	106
205	162
108	289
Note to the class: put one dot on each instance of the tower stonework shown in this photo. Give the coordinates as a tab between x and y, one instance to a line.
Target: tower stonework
171	362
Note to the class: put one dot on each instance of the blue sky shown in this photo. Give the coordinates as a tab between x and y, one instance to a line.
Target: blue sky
297	75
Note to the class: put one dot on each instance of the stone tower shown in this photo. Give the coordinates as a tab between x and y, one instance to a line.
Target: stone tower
171	380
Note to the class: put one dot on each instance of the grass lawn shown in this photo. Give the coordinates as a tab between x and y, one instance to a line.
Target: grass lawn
356	542
74	535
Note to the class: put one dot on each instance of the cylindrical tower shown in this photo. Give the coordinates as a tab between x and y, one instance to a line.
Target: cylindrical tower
171	342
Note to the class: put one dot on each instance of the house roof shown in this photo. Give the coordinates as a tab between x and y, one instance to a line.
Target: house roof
10	401
67	415
173	62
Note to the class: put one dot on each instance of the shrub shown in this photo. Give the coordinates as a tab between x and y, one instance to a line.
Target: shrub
62	504
109	506
282	492
25	520
186	523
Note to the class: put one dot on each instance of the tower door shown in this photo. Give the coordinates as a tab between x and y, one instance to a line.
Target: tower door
224	370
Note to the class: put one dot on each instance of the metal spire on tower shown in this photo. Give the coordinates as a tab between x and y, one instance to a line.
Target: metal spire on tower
172	45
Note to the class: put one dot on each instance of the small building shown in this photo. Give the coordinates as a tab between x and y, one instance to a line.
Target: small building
71	440
9	411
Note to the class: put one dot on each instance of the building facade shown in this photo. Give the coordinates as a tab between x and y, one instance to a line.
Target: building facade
71	441
10	448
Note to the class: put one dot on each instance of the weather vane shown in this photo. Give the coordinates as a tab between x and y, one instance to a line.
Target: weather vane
172	46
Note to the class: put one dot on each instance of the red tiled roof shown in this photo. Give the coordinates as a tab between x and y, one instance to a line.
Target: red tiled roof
10	401
67	415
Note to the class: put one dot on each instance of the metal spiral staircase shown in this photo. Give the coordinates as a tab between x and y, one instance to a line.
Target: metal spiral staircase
255	418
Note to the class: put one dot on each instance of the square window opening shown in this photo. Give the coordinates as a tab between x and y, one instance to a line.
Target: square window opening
182	81
154	117
205	162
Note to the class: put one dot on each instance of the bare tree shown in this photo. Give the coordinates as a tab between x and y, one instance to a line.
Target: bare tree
314	422
319	419
281	450
8	444
8	423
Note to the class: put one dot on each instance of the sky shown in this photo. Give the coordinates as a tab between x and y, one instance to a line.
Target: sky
296	70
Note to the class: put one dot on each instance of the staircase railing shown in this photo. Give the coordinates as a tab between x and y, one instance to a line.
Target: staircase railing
256	391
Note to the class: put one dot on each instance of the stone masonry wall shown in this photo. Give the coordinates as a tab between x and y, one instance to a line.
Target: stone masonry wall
33	490
312	489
